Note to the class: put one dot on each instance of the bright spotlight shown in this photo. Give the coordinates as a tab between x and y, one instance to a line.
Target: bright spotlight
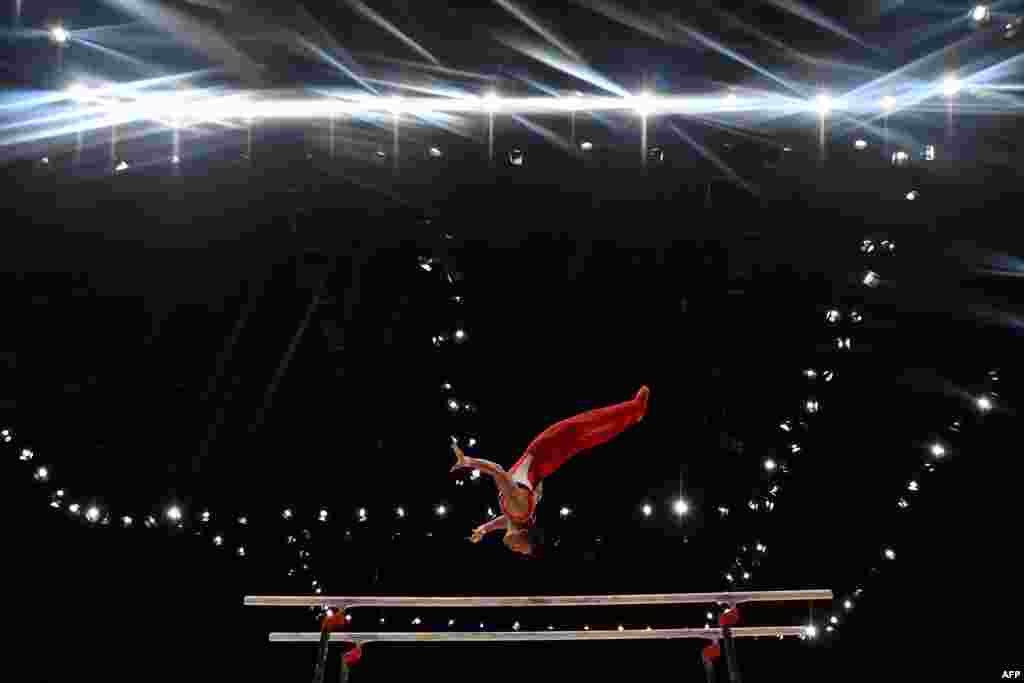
811	631
871	278
42	474
174	513
950	86
770	465
890	554
912	195
492	102
861	144
78	91
680	507
59	35
823	103
731	98
888	103
929	153
643	103
93	514
937	450
564	512
441	510
435	153
647	510
981	14
586	146
900	158
985	403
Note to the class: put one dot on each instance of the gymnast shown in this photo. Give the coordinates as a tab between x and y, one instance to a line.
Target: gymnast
521	488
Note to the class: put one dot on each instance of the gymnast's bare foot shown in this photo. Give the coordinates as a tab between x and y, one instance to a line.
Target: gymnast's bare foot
642	397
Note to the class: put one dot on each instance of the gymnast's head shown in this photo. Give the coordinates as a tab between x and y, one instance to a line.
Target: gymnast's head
527	541
517	539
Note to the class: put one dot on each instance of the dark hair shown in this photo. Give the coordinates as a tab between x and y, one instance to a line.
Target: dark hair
535	536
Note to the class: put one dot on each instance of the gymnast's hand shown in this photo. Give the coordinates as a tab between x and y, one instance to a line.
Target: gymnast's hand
460	458
477	536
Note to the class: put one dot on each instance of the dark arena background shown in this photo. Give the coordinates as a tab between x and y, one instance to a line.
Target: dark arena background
262	262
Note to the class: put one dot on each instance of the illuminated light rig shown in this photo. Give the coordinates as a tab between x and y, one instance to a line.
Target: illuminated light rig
254	105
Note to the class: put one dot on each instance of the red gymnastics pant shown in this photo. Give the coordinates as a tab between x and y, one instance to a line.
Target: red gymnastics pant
561	441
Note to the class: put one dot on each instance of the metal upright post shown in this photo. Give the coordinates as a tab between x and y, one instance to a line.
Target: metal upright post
321	656
709	668
729	645
727	620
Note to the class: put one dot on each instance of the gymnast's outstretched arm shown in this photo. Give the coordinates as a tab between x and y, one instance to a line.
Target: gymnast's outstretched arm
484	529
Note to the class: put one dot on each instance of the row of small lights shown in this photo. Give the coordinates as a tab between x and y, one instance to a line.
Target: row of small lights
174	514
936	451
750	554
645	104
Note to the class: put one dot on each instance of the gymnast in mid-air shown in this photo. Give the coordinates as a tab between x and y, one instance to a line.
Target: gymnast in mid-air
521	488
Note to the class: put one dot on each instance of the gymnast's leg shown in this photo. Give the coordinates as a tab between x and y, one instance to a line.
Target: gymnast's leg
560	442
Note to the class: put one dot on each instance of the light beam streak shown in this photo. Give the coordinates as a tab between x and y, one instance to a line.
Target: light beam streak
541	30
380	21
